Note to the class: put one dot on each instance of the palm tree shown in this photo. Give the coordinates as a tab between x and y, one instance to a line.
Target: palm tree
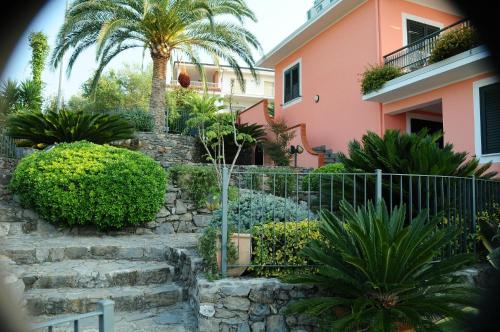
184	28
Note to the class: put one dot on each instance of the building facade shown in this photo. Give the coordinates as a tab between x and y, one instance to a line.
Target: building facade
222	81
318	72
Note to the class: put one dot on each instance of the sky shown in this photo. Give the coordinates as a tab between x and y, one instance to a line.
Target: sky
276	20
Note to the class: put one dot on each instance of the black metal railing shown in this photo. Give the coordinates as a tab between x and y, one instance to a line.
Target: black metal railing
177	123
416	55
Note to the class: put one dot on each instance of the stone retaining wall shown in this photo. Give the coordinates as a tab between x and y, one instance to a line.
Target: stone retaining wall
249	305
165	148
7	166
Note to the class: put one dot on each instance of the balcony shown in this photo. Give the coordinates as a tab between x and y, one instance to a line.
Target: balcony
416	55
214	86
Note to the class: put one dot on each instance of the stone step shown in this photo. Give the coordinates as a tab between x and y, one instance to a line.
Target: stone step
179	317
82	300
94	274
32	249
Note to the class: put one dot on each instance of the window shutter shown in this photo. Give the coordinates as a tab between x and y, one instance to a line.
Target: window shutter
418	30
490	118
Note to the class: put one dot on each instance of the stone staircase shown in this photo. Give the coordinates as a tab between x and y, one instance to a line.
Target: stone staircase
147	276
330	156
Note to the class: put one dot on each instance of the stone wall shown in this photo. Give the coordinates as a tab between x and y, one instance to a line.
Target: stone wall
165	148
7	166
249	305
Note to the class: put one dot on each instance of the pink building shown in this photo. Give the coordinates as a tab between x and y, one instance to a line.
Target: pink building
318	70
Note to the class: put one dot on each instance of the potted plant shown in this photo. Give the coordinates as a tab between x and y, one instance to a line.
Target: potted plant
384	271
239	251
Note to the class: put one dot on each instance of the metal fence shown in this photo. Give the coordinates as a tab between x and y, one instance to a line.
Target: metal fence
416	55
281	200
104	314
178	124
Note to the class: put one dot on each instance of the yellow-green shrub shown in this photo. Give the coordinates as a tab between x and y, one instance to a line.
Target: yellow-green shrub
280	244
83	183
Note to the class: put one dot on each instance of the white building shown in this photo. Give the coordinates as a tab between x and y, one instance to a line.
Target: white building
219	79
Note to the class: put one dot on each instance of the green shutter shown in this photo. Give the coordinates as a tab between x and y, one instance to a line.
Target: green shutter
490	118
418	30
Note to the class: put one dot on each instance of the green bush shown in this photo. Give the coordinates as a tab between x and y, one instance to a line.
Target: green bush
378	271
87	184
281	244
142	120
376	76
251	208
200	182
279	181
453	43
312	180
41	129
488	222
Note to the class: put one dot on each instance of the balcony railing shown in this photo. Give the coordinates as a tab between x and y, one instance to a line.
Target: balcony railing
416	55
200	85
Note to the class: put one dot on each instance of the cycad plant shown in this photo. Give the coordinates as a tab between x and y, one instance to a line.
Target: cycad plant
402	153
179	28
382	273
42	129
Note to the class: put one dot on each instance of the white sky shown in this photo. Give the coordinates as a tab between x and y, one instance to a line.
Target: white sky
276	20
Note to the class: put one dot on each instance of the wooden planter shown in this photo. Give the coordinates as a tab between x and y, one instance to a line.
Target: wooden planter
243	244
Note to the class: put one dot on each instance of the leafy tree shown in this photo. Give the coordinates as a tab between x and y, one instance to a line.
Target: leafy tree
277	149
213	127
165	28
16	96
382	272
402	153
40	50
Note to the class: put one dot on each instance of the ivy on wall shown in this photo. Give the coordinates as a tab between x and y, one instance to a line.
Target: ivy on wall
40	50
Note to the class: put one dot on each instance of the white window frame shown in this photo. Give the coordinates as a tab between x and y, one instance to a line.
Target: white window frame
483	158
427	117
299	98
406	16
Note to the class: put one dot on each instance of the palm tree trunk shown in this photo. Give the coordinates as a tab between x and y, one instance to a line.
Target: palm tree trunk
157	101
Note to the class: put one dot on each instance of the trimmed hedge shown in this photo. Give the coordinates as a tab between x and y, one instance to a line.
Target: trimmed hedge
376	76
281	244
453	43
87	184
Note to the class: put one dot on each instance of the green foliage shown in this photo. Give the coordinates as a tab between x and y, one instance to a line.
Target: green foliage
142	120
86	184
402	153
279	181
199	181
454	42
280	244
277	148
127	89
184	28
252	208
489	233
312	180
383	273
52	127
207	247
375	77
40	50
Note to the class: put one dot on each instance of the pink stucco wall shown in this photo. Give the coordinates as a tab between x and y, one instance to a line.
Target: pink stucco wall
391	21
331	64
457	112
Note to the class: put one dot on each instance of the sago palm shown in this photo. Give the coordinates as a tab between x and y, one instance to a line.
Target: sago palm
180	28
381	273
37	128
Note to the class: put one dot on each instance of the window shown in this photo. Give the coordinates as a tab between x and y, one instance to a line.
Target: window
417	30
489	101
292	83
